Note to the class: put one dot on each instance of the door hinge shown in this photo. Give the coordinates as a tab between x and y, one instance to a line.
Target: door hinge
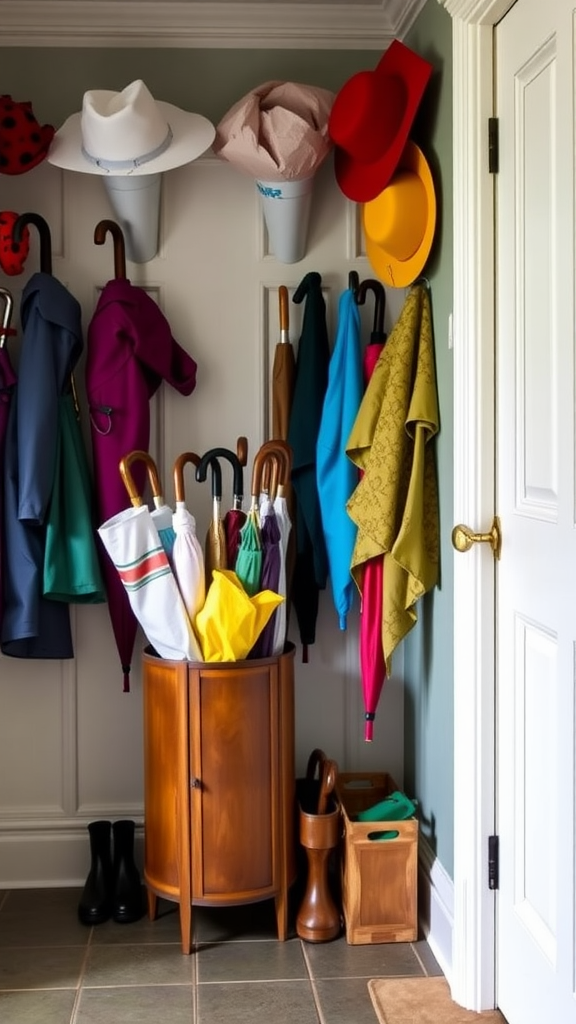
493	862
493	153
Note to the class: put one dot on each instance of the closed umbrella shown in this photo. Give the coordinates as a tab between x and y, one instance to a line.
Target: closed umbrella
311	568
162	513
135	550
283	379
231	620
377	338
235	517
187	555
371	575
250	556
283	454
130	352
7	386
271	554
336	475
215	547
283	372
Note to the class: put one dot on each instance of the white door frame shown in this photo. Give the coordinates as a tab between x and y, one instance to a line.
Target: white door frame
473	981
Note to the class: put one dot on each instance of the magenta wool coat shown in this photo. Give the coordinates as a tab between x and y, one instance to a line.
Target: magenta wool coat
130	351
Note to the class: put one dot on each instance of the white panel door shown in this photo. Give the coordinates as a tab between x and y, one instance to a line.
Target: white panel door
536	596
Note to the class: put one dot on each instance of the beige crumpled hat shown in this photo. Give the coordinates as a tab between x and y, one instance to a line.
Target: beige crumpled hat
277	132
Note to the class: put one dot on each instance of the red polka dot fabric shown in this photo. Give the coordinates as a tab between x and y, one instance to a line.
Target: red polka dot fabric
23	142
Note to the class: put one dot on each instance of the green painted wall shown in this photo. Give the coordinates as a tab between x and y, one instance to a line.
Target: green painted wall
429	662
209	82
205	81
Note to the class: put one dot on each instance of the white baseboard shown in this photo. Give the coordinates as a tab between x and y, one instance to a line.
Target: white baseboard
50	858
436	906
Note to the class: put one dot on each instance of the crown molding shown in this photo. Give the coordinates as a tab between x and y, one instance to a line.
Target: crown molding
476	12
327	25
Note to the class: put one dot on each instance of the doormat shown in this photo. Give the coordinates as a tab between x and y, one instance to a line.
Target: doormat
422	1001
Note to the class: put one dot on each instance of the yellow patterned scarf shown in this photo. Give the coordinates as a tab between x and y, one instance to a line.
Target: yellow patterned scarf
395	505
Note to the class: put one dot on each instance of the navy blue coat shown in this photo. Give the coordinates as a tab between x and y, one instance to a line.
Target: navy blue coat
32	626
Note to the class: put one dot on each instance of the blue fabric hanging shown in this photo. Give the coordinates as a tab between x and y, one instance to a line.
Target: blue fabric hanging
336	475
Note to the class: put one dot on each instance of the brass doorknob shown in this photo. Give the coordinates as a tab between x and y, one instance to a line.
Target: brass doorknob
463	537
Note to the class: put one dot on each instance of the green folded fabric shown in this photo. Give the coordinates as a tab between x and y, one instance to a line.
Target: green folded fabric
395	807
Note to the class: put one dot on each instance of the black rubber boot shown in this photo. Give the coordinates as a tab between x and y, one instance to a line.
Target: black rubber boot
127	904
95	904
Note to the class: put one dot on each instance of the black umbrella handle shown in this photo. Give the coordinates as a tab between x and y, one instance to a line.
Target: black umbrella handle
377	288
222	453
209	459
45	239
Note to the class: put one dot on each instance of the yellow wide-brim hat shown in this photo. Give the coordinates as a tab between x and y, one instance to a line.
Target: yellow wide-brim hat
399	223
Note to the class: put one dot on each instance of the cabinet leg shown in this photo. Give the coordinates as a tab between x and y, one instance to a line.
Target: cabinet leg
281	906
186	926
152	901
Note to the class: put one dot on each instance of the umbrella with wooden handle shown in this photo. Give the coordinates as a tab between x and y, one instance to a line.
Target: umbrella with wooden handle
162	513
283	371
187	554
282	462
250	556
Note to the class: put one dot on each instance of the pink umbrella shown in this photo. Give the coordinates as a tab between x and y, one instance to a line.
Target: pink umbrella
372	663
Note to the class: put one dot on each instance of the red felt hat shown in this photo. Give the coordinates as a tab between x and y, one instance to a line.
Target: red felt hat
12	255
23	142
371	119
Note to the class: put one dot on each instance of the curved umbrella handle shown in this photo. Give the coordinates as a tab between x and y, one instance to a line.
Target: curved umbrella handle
210	459
257	471
100	232
181	461
141	456
316	760
378	335
223	453
327	783
6	330
283	451
271	471
45	239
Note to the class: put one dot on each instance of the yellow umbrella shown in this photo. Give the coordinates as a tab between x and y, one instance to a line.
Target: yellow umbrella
230	621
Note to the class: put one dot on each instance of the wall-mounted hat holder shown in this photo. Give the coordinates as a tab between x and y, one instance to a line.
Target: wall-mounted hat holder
136	205
286	208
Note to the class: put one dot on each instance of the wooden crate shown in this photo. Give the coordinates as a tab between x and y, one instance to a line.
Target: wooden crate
379	876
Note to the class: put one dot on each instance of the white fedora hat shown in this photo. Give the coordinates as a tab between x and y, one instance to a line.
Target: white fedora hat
129	133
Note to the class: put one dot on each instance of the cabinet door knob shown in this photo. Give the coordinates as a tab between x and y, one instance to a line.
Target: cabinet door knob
195	783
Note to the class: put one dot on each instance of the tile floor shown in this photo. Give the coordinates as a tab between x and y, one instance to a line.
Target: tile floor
54	970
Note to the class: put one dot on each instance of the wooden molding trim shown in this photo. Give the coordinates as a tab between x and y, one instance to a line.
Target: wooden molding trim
332	25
